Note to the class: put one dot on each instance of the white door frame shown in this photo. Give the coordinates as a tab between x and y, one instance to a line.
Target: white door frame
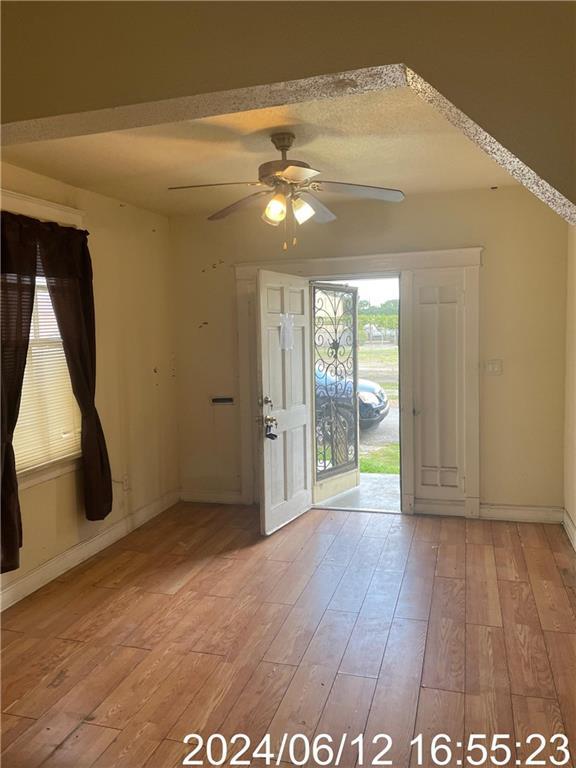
355	268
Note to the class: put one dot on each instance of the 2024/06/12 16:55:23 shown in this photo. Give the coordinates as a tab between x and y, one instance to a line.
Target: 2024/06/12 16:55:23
326	750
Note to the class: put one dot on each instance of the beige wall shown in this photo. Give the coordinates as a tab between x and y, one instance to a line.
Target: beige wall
570	442
522	306
508	65
133	291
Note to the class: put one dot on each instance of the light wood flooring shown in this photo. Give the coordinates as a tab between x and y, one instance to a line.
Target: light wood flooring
341	622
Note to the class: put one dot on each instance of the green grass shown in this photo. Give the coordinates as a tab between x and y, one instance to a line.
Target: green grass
387	355
385	460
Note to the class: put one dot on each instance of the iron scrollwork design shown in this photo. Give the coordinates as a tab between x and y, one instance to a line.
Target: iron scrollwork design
336	405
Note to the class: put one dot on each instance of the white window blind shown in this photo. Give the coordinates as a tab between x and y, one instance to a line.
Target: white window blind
48	425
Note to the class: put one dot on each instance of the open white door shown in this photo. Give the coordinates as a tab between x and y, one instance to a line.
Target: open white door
285	396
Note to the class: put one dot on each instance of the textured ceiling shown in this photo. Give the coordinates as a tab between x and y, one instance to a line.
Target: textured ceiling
389	139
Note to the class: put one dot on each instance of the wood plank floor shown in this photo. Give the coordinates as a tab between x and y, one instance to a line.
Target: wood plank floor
341	622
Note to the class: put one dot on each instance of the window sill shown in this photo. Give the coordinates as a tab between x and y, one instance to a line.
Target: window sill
45	472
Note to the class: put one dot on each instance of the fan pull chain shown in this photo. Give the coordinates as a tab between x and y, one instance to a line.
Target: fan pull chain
289	229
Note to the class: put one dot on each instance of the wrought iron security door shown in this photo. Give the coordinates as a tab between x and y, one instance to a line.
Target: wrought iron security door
335	379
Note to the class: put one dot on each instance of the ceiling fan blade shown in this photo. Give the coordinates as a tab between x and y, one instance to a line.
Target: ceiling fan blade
239	204
322	214
360	190
296	174
221	184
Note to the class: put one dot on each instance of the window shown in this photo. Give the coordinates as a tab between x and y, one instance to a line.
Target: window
48	425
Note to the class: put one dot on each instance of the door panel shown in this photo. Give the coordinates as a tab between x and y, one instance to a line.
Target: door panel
439	383
299	371
285	395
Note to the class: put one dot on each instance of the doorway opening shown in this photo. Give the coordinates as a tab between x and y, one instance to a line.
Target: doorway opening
357	430
437	394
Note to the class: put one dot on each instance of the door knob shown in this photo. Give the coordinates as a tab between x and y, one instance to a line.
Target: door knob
267	400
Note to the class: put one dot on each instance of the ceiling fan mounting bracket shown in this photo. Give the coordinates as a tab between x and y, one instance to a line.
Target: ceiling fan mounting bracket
283	141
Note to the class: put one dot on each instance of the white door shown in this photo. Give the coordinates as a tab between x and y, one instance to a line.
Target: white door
285	397
445	390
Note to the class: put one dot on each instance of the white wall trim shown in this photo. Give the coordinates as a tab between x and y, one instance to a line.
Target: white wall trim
58	565
406	384
80	552
521	514
507	512
213	497
368	265
247	365
49	471
570	528
142	515
45	210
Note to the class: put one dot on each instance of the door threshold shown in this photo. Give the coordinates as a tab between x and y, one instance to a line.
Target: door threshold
331	508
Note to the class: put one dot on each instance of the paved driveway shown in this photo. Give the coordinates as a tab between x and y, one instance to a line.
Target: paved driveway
388	431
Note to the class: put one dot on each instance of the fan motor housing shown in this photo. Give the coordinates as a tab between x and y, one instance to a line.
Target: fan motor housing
268	172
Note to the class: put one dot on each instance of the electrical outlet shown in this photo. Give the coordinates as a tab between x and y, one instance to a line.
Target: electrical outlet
125	483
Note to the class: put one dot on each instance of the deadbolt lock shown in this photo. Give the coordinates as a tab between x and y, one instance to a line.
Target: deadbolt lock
270	424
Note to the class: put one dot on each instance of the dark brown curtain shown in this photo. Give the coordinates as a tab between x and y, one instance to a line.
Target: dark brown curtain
61	255
19	258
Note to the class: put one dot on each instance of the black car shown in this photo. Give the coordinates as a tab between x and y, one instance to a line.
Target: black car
373	405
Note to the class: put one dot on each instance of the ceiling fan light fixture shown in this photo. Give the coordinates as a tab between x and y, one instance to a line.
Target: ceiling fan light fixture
291	188
275	211
302	210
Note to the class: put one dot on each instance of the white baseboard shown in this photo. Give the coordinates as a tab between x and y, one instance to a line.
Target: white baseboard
142	515
213	497
570	528
520	514
510	512
82	551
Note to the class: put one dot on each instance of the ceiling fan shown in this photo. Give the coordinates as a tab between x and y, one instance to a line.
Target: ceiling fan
292	186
